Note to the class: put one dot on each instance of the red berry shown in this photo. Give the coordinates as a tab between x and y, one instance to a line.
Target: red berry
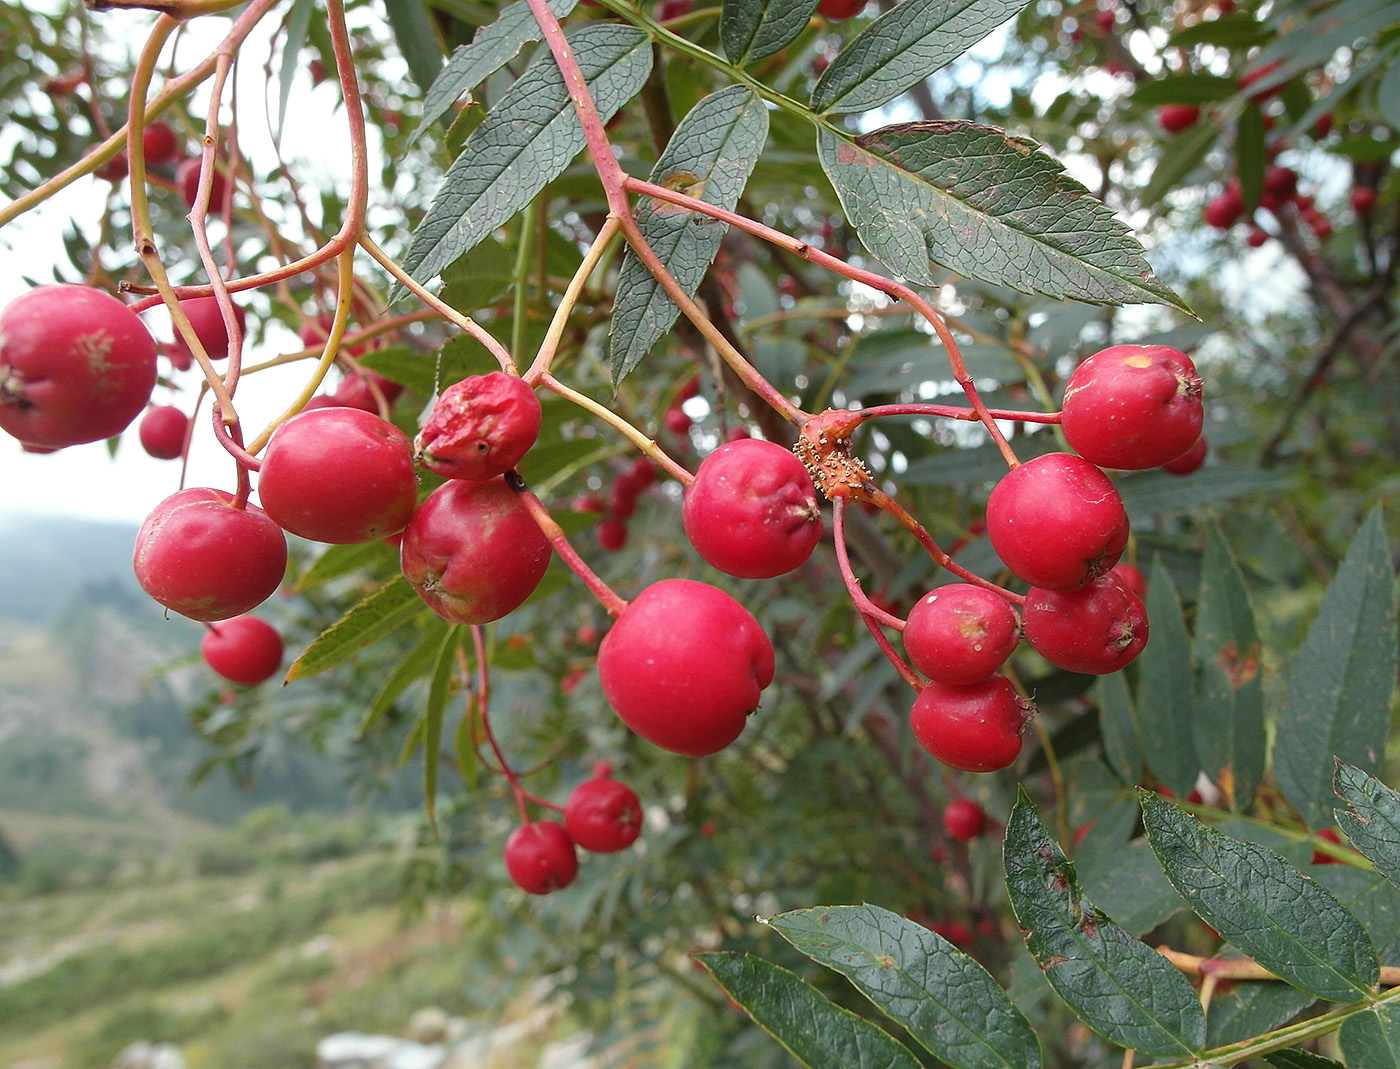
162	432
684	665
963	819
1133	406
1190	460
541	858
472	551
587	503
677	422
1257	237
1104	21
187	181
1282	182
960	633
752	510
203	557
611	534
1332	836
338	475
159	144
1057	521
115	169
207	320
1174	118
1259	73
623	501
638	477
480	427
314	332
1130	577
976	728
243	650
1097	629
673	9
1363	200
841	9
363	389
1224	211
76	365
603	815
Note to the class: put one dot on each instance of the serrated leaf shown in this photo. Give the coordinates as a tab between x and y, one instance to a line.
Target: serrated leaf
904	46
1229	711
393	604
814	1030
526	141
416	36
492	48
1166	704
1122	739
1118	986
1178	159
337	561
1184	89
710	157
1371	1038
433	713
1253	897
1338	696
413	665
1300	1059
1149	493
1370	898
1128	885
987	205
751	30
947	1001
1371	819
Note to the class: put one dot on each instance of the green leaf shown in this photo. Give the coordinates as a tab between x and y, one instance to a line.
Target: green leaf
393	604
1166	706
1184	89
1371	819
298	23
946	1000
491	49
1150	493
1229	712
1118	722
1287	922
1371	1039
1249	1008
904	46
1118	986
526	140
1301	1059
1128	885
417	39
988	206
414	664
1338	696
815	1030
710	157
433	712
1251	155
1179	158
1388	93
751	30
337	561
1233	31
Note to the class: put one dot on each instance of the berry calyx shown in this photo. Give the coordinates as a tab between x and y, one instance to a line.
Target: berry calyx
960	633
1097	629
602	815
480	427
162	432
684	666
338	475
964	819
752	511
976	728
245	650
1057	521
541	857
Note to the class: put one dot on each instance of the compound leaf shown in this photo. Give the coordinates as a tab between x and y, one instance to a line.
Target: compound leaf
986	205
393	604
414	664
1372	819
751	30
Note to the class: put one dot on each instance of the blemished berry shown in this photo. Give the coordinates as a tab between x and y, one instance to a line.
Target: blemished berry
480	427
76	365
207	319
201	555
1057	521
1190	460
338	475
960	633
1174	118
472	551
245	649
1133	406
974	729
1097	629
162	432
964	819
541	858
602	815
159	144
752	510
684	666
841	9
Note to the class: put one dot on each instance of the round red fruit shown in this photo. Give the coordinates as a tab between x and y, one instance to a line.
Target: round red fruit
603	815
976	728
203	556
244	650
159	144
1130	577
472	551
76	365
684	665
162	432
541	857
480	427
1224	211
612	534
1363	200
1097	629
207	319
1057	521
187	181
960	633
752	511
841	9
1133	406
1190	460
363	390
964	819
1174	118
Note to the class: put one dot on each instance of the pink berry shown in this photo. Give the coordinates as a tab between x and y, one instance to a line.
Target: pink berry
603	815
960	633
1097	629
162	432
976	728
207	319
480	427
541	858
244	650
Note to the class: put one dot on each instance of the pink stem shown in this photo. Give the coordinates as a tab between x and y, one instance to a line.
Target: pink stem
870	614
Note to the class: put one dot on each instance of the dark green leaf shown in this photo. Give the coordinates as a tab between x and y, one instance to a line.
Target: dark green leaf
1166	705
1371	1039
481	276
904	46
1122	739
1128	885
944	998
414	665
756	29
1371	819
417	38
1301	1059
1179	158
1229	712
1233	31
298	22
1338	698
1331	28
1370	898
986	205
1250	154
1184	89
1115	984
527	140
815	1030
1287	922
1248	1008
433	712
1150	493
392	605
709	157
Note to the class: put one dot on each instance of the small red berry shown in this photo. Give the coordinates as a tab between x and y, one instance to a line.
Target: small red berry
1224	211
1097	629
159	144
976	728
244	650
1190	460
541	857
207	319
1174	118
602	815
1363	200
187	181
960	633
841	9
677	422
1130	577
1320	858
611	534
480	427
964	819
1258	74
162	431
